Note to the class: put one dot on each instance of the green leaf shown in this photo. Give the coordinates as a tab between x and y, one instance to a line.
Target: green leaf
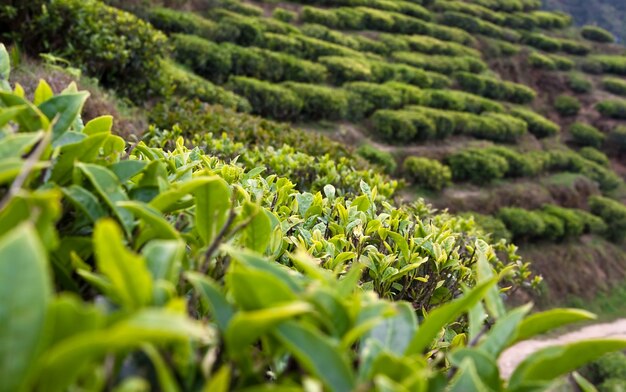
125	170
69	316
256	235
212	206
85	150
25	290
484	364
84	201
31	119
221	310
43	92
65	109
503	332
153	221
167	201
164	258
246	327
16	145
255	261
549	363
484	272
401	243
583	384
11	113
444	315
102	124
167	382
255	289
317	355
110	190
467	379
5	67
541	322
60	365
128	273
220	381
395	333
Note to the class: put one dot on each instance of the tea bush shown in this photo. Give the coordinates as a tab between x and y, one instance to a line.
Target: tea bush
477	26
182	249
542	42
614	108
614	85
495	89
190	85
537	124
126	58
371	96
491	225
596	34
617	138
567	105
337	37
605	64
218	61
573	221
320	102
428	173
586	135
270	100
399	126
477	166
378	157
578	83
612	212
284	15
523	224
173	21
442	64
594	155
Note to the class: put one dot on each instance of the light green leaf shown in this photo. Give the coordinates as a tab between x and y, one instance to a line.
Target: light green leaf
16	145
255	289
467	379
24	292
442	316
127	271
11	113
583	384
31	119
401	243
256	235
212	206
65	108
167	201
43	92
5	67
317	355
541	322
102	124
549	363
246	327
219	382
164	258
125	170
484	272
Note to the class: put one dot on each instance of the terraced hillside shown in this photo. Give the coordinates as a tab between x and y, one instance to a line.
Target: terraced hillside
608	14
494	108
258	213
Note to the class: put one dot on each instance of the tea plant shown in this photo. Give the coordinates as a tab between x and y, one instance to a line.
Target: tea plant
171	270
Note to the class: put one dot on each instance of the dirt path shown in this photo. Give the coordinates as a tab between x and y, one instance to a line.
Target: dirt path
514	355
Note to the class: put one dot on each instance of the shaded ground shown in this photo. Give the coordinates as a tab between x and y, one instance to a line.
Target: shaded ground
514	355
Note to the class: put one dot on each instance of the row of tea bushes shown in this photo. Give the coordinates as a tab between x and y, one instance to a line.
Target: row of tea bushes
552	223
421	123
218	62
493	88
484	165
363	18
